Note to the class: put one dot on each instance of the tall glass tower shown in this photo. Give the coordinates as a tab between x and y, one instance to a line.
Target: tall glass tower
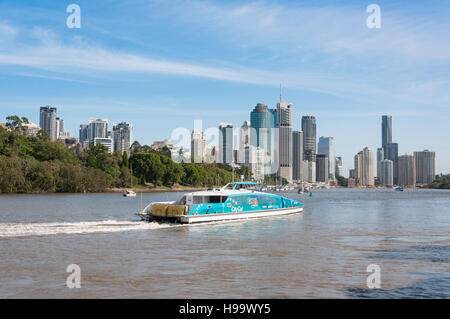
386	131
309	138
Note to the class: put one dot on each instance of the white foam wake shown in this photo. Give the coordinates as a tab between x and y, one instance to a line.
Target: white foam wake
56	228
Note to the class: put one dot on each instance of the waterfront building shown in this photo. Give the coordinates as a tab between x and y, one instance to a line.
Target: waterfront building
386	132
326	147
364	168
380	157
244	141
122	135
406	170
322	174
47	121
263	121
309	138
311	172
226	143
106	141
351	173
284	124
97	128
387	173
391	153
297	156
425	164
198	146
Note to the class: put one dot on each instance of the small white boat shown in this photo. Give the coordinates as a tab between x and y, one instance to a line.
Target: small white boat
233	201
129	193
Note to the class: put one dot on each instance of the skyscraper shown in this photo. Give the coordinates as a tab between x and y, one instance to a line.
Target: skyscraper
309	138
284	124
47	121
391	153
226	143
326	146
387	173
380	157
322	163
386	131
263	122
122	134
406	170
297	156
198	146
364	168
425	163
244	141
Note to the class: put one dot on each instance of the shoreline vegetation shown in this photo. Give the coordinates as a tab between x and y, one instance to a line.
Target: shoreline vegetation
33	164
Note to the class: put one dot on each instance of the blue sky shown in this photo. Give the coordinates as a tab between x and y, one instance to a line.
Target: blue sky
164	64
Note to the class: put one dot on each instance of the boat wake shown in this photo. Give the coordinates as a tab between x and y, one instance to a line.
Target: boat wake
86	227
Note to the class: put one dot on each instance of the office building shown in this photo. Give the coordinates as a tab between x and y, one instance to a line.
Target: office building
309	138
387	173
244	141
106	141
386	131
339	167
284	124
391	153
380	157
297	156
226	143
322	174
326	147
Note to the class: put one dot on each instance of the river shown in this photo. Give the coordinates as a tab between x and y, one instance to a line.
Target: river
322	253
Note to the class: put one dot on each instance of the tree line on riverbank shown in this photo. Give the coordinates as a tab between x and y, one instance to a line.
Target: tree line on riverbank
35	164
441	182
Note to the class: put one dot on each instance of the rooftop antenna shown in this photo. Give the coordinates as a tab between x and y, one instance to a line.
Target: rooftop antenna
281	100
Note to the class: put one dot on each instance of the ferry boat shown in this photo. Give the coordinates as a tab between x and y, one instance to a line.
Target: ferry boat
241	200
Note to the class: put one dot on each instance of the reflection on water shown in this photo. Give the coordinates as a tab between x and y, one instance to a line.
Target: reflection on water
322	253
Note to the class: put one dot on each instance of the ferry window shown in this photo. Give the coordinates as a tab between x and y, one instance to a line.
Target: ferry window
182	201
217	199
267	200
242	200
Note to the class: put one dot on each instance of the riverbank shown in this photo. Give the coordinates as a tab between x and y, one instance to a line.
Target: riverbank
158	189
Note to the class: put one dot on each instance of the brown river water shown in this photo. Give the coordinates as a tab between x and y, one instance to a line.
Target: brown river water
322	253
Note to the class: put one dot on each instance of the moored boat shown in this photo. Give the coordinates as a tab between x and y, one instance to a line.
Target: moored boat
129	193
242	200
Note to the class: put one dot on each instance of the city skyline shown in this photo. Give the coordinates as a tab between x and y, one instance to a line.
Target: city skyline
195	70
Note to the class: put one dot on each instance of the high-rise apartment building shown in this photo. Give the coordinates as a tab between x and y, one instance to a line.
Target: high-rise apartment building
297	156
326	147
198	146
122	135
47	121
425	163
406	170
364	168
226	143
284	124
97	128
244	141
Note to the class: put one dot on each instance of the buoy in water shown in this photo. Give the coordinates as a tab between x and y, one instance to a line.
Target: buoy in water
310	194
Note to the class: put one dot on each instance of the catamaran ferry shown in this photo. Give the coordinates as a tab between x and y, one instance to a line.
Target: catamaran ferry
241	200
